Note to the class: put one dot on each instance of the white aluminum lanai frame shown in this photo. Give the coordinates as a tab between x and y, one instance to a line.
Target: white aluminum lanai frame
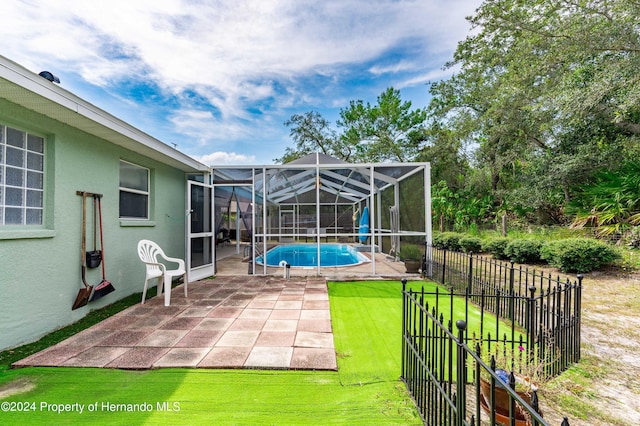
318	180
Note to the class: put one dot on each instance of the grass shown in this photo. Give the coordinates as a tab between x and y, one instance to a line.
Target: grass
366	318
630	260
574	391
188	396
183	396
371	351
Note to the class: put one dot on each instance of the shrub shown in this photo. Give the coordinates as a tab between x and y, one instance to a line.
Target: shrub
410	252
632	237
470	244
578	254
496	247
437	241
448	240
523	251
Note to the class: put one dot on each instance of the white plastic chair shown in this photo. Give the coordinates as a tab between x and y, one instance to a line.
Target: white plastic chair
149	252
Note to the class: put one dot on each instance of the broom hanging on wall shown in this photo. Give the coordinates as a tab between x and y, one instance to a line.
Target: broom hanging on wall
105	287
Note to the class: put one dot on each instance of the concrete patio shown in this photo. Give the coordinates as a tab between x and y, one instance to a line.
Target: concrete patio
227	322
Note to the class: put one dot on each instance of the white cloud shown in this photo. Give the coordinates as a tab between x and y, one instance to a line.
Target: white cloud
392	68
248	59
227	44
203	127
221	158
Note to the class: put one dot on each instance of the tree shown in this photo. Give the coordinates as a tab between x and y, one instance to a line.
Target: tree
311	133
443	150
580	58
545	90
387	131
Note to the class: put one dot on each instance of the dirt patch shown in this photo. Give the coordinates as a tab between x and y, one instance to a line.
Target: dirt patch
16	387
610	350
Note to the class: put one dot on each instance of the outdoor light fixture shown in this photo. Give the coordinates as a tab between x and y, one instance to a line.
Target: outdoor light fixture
49	76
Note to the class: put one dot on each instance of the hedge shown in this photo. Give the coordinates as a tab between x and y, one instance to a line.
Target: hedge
578	254
448	240
470	244
496	246
523	251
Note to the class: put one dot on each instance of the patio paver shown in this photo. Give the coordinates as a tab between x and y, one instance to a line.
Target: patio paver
182	357
270	357
227	322
313	358
138	358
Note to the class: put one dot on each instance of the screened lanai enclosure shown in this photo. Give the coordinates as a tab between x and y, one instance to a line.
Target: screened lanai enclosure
319	212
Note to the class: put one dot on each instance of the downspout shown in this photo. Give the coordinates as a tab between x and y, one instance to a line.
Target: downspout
371	227
396	200
427	206
379	218
318	211
213	225
264	219
237	226
253	221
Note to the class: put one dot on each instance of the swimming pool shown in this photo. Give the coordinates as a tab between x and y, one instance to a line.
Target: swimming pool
307	255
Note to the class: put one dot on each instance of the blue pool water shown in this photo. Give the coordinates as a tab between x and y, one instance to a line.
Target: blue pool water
307	255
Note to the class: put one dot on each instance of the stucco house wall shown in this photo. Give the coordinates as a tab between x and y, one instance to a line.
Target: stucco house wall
40	266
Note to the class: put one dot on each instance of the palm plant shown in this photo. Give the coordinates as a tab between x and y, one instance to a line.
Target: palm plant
612	204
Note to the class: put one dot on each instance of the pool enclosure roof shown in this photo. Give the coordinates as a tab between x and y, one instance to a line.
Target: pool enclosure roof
315	178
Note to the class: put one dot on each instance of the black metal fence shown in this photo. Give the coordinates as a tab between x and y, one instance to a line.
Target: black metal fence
545	309
506	322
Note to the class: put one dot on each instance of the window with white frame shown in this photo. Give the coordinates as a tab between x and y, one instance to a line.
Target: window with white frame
21	177
134	191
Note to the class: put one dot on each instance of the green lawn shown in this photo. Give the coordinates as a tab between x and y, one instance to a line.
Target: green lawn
177	396
366	318
360	393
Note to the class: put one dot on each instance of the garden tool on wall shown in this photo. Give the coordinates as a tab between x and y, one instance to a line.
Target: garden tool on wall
94	257
105	287
84	293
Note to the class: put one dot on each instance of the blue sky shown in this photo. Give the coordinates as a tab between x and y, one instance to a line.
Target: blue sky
218	78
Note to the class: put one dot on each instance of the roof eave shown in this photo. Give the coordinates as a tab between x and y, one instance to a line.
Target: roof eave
27	89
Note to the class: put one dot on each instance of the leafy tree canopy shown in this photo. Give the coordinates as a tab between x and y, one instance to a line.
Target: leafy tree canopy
540	119
388	131
544	98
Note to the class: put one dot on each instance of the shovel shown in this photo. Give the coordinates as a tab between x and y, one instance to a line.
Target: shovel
84	293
